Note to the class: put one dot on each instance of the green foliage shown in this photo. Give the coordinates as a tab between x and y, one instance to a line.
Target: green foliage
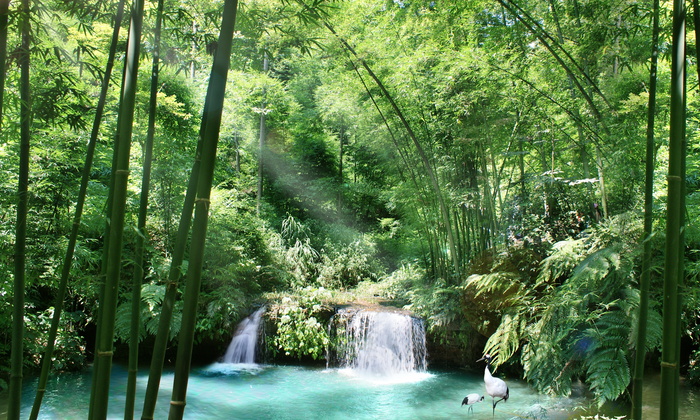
69	353
241	263
513	149
607	368
299	331
345	259
582	304
344	266
151	298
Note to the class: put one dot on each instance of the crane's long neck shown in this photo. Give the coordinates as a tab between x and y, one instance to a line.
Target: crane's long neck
487	372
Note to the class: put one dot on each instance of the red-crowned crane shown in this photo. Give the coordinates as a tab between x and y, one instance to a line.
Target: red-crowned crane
472	399
495	387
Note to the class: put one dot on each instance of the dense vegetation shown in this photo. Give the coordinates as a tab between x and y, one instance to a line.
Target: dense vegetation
481	162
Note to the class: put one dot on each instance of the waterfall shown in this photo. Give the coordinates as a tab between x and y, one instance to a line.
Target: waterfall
242	346
379	342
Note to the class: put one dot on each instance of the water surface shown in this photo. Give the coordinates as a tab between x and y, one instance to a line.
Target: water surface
236	391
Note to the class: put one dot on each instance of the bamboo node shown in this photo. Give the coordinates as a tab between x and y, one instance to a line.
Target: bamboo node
105	353
202	200
669	365
178	403
673	178
122	171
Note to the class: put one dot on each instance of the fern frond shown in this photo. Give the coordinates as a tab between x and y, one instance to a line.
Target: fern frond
608	374
491	283
152	295
605	355
590	272
547	369
564	257
506	340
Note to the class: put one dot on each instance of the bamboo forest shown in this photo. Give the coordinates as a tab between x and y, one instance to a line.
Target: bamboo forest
350	209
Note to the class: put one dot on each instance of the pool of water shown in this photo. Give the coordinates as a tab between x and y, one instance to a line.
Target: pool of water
227	391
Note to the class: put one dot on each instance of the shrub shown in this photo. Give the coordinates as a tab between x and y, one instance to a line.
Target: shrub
301	331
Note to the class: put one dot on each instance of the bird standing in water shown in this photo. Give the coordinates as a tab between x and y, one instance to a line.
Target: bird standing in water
472	399
495	387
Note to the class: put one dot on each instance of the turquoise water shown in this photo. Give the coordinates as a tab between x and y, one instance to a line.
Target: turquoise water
225	391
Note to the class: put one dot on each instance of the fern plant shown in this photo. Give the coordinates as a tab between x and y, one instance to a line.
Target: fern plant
575	319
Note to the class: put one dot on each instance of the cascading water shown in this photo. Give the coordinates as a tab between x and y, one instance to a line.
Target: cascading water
242	346
380	343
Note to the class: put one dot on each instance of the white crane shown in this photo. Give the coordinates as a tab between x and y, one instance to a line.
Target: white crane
472	399
495	387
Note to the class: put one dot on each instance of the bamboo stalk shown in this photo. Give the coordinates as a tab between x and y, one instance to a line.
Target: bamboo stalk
210	138
108	305
4	9
17	356
68	260
138	276
261	143
640	345
669	353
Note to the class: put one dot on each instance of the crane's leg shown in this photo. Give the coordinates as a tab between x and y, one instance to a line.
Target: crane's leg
494	405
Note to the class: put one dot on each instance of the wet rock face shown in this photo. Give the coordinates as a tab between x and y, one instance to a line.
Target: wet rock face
454	348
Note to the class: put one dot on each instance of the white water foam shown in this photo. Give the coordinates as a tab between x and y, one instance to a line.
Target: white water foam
242	346
382	347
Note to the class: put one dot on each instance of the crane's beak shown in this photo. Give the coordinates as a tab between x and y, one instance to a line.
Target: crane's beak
482	359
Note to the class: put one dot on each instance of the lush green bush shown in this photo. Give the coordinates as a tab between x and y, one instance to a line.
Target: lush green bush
345	265
69	351
300	330
583	303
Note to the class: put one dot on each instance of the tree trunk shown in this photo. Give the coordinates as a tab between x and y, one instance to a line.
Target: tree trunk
671	312
261	144
17	354
601	180
214	101
68	260
108	304
4	8
640	345
341	140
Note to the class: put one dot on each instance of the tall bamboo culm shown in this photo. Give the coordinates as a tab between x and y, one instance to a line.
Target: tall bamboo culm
16	358
82	193
214	106
108	304
4	9
135	333
671	310
174	276
640	345
454	256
